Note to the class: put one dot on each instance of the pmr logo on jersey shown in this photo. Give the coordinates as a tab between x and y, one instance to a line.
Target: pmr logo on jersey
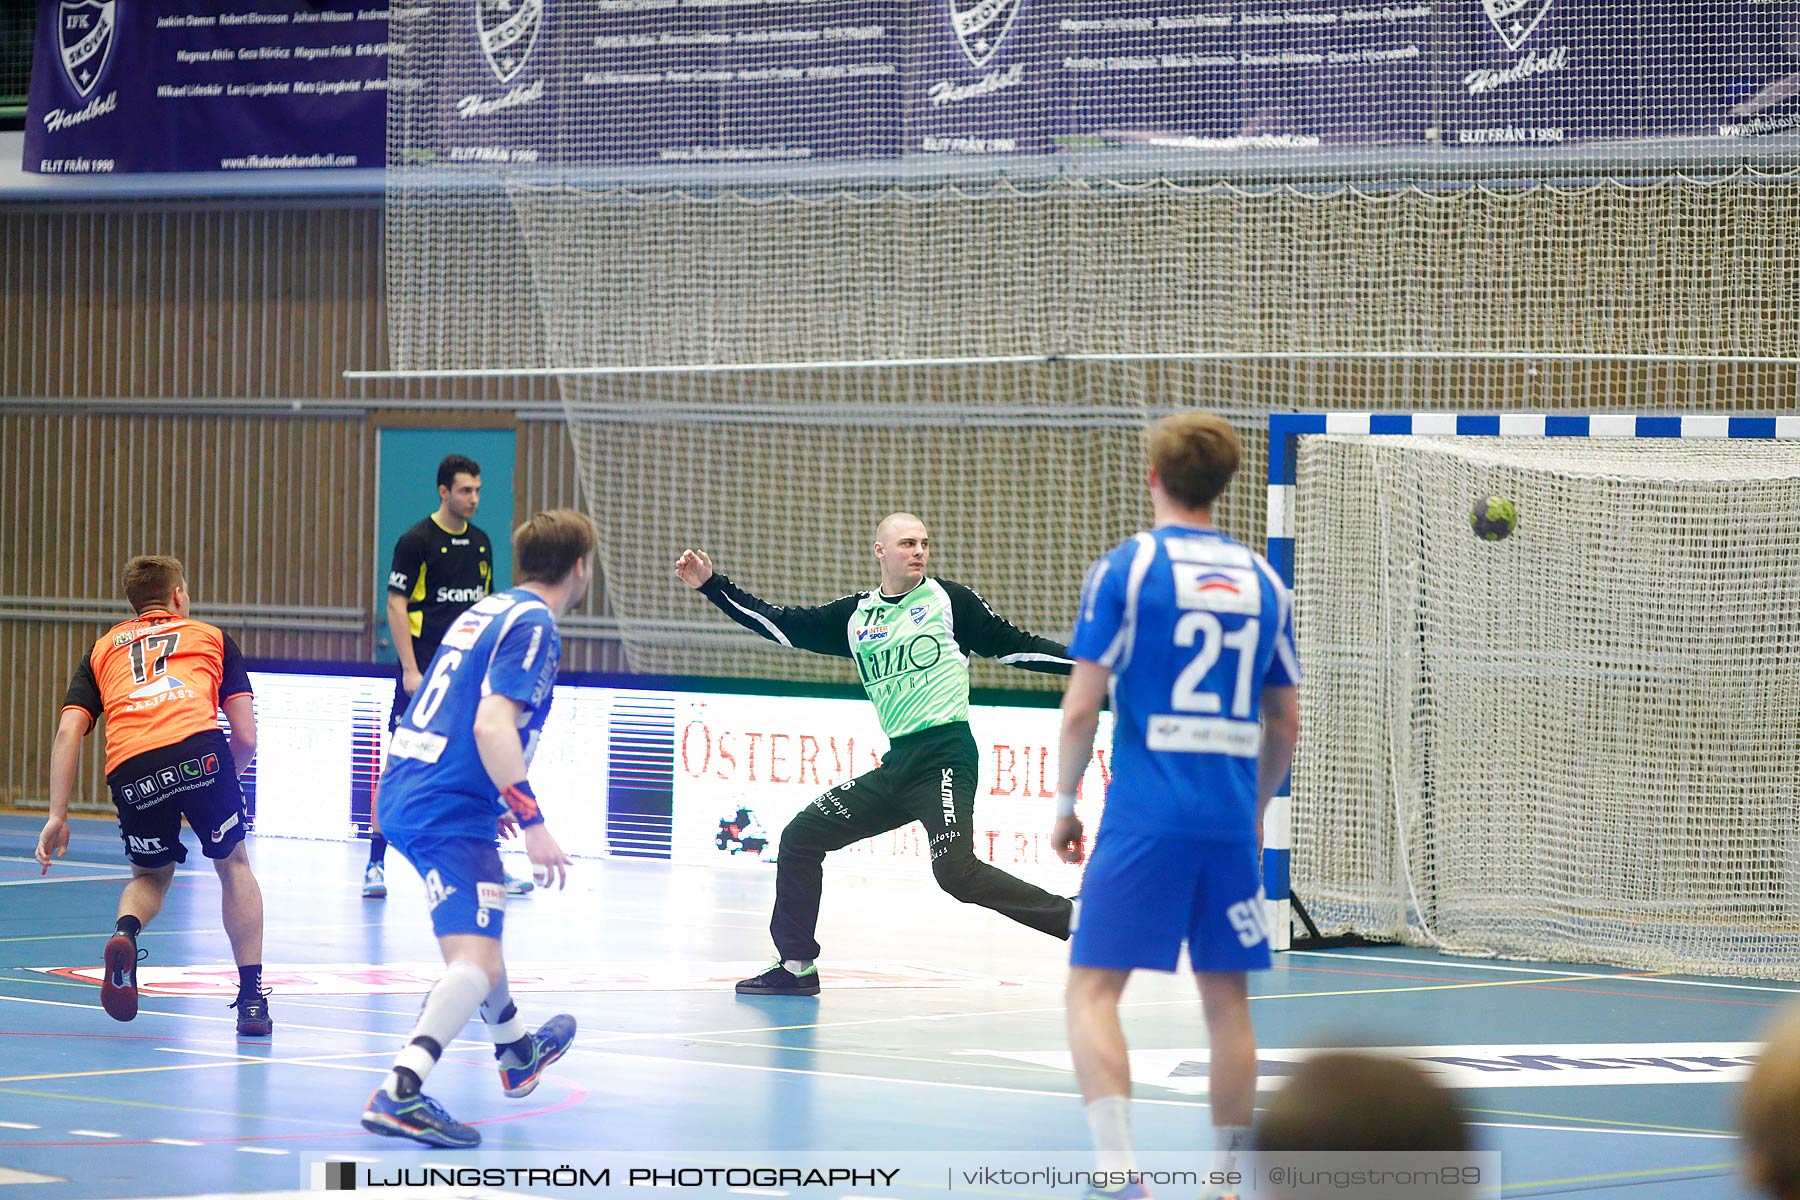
85	33
509	32
1514	20
982	26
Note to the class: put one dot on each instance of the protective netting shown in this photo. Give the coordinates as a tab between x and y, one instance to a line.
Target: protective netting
1055	209
769	477
1581	743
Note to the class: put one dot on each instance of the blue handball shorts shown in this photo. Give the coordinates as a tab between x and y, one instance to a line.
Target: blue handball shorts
1143	896
464	882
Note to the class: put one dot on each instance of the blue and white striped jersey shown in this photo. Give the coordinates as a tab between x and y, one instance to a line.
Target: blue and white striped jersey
505	645
1193	626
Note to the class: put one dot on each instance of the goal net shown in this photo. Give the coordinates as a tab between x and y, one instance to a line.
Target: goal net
1580	743
796	263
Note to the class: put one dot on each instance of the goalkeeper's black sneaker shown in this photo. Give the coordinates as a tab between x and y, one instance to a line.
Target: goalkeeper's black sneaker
779	981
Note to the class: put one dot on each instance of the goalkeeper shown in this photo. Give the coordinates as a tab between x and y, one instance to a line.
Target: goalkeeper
911	640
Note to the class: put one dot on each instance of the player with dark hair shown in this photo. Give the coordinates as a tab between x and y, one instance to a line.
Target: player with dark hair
456	767
1192	634
160	679
441	565
911	639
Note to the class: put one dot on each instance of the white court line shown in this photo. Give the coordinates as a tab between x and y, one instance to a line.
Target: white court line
385	1035
17	1125
60	862
1644	977
174	1142
315	1060
260	1150
14	1175
63	879
751	1191
1075	1097
93	1133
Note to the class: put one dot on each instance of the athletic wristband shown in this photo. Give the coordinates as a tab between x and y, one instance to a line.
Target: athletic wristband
1065	804
523	804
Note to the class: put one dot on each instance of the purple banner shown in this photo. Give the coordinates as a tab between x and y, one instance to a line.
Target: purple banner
163	85
984	77
153	85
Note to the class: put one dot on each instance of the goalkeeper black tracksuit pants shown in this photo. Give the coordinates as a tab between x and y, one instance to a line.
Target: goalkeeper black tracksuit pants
928	777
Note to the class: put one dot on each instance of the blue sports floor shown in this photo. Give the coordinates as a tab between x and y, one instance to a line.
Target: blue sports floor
940	1030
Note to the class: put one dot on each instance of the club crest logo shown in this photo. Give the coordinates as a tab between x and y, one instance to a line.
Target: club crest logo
509	31
85	33
1514	20
983	25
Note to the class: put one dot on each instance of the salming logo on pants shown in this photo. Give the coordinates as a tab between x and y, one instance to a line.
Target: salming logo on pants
928	777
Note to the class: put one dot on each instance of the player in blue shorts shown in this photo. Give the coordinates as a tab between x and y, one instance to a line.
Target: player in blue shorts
1193	634
457	771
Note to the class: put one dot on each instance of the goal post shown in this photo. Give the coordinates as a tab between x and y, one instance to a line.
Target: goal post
1579	743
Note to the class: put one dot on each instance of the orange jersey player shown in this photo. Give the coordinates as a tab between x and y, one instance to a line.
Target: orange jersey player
160	679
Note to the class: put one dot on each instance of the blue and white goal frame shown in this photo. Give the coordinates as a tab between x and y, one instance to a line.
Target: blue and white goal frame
1285	430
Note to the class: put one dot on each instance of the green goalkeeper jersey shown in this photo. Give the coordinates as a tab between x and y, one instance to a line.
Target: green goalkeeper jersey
911	652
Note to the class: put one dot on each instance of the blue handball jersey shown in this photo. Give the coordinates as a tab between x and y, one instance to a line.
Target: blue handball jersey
506	645
1193	626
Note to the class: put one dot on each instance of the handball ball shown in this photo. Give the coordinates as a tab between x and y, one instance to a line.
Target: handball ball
1493	518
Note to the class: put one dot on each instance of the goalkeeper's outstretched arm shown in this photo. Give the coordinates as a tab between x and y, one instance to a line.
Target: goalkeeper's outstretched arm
990	635
824	629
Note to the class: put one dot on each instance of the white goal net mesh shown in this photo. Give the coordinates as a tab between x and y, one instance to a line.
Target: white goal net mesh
1581	743
1077	213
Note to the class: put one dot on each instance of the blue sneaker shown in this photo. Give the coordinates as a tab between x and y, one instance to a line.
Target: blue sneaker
516	886
549	1043
1134	1190
420	1118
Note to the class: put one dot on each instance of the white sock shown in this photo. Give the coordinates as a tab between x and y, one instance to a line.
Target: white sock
1229	1141
1109	1120
796	965
452	1000
504	1024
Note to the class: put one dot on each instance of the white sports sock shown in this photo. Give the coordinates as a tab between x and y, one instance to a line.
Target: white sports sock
1109	1120
796	965
504	1032
452	1000
1229	1141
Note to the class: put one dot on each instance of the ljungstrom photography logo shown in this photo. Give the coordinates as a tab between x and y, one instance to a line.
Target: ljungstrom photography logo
1514	20
334	1176
86	31
982	26
508	30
